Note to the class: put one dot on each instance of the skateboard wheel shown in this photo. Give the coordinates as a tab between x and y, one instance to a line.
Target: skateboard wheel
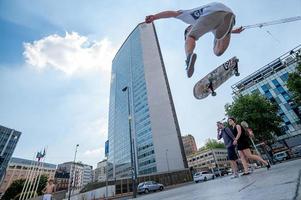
213	93
237	73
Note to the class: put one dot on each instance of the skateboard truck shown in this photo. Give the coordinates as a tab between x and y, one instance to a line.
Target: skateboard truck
210	87
236	73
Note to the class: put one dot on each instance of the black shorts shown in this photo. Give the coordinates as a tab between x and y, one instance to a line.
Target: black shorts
232	153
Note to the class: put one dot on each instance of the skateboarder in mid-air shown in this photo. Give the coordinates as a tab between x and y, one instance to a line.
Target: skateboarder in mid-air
214	17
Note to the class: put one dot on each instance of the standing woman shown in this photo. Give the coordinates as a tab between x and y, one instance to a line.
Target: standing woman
243	146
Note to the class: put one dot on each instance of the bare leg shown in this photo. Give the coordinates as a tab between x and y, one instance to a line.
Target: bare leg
221	45
244	161
249	155
189	45
234	166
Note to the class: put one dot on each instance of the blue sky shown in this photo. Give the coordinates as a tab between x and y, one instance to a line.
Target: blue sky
55	60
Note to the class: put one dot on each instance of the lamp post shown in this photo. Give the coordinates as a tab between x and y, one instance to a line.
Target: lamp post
70	178
132	149
166	151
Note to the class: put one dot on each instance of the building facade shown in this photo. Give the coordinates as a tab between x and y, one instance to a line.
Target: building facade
189	144
61	180
210	159
8	142
99	174
270	81
80	173
139	86
87	174
19	168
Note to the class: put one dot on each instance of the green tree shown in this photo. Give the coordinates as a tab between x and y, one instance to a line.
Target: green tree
42	184
212	144
258	112
294	82
14	189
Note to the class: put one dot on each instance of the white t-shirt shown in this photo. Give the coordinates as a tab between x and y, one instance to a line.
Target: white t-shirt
191	16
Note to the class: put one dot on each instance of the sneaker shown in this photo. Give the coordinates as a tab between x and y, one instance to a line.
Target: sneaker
246	174
191	58
234	176
268	166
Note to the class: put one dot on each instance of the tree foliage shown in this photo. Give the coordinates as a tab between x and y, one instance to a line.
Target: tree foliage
258	112
15	189
294	82
212	144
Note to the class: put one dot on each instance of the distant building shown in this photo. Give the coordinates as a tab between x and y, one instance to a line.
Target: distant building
189	144
81	175
209	159
271	81
8	141
87	174
61	180
19	168
100	171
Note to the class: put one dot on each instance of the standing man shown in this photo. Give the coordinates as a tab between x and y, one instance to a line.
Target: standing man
228	138
214	17
49	190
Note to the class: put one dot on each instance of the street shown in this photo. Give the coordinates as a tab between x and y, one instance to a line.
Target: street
281	182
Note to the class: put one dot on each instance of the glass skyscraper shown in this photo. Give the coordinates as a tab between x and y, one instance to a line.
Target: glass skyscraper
271	81
8	141
139	85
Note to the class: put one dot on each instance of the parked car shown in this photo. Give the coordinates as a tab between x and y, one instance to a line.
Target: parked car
148	186
280	156
222	171
296	151
202	176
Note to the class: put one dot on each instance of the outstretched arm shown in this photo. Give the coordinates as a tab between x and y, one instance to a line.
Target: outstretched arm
238	30
160	15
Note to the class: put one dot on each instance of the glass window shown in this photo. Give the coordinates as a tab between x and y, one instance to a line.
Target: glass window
286	96
276	83
268	95
265	88
284	77
280	89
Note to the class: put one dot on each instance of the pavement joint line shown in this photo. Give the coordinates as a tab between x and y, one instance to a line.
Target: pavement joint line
298	186
247	186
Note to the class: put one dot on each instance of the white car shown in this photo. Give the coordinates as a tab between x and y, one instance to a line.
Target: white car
202	176
281	156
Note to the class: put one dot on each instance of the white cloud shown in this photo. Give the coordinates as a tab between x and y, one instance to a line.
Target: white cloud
70	54
94	152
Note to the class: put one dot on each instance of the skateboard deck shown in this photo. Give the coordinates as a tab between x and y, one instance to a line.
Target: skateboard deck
216	78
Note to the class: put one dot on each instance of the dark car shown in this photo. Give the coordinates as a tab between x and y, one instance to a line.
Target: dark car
222	171
148	186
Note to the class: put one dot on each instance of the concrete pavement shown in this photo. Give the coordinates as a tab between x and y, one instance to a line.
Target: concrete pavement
281	182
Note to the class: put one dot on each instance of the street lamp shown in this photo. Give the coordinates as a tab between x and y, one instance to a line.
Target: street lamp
132	149
70	177
166	151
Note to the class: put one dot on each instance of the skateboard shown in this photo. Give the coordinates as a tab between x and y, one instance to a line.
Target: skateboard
216	78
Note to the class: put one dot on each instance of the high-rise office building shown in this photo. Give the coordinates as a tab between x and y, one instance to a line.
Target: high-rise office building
8	142
271	81
139	86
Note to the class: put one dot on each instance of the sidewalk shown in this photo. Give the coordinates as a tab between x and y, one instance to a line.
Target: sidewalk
282	182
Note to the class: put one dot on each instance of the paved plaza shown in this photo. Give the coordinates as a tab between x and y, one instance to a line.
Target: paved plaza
282	182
